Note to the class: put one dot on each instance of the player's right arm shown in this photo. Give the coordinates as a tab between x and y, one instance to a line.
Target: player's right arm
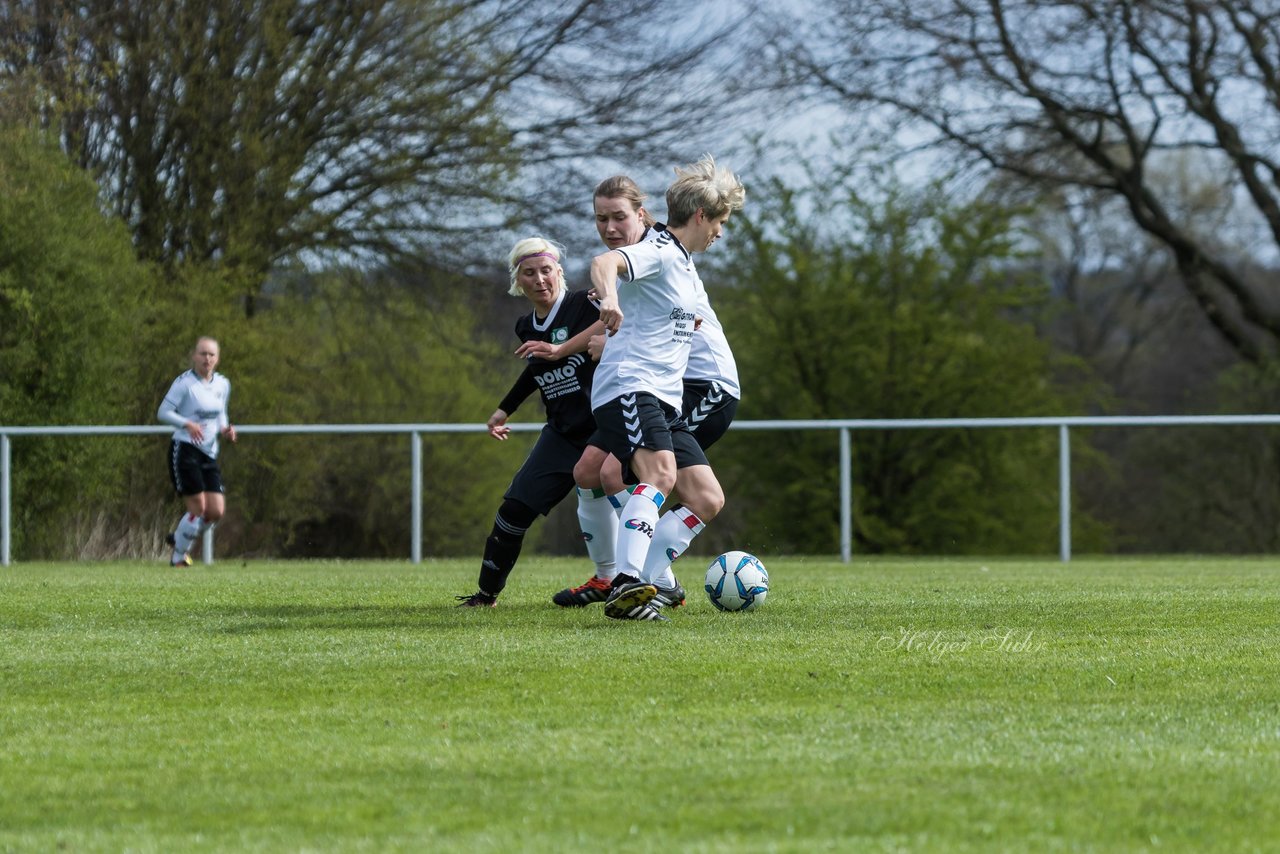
524	386
605	270
497	425
168	412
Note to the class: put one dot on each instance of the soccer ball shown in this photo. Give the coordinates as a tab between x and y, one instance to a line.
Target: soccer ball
737	581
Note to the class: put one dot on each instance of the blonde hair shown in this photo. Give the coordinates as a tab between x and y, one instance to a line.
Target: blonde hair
528	248
703	185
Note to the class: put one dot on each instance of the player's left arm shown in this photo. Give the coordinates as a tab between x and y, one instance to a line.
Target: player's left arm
225	427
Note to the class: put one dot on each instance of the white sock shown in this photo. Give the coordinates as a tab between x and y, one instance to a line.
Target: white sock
599	528
639	519
676	530
189	528
618	501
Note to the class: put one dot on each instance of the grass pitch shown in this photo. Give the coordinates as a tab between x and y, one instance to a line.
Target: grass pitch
881	706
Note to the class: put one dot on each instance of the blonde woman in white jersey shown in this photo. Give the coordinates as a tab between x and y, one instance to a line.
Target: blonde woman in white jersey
649	297
710	401
196	407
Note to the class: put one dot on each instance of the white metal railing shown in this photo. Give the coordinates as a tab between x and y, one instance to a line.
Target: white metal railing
843	426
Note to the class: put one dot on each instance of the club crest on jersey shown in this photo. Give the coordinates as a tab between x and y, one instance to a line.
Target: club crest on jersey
640	525
559	335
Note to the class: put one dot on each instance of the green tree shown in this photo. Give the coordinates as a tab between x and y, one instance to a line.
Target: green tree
243	133
906	307
72	336
353	348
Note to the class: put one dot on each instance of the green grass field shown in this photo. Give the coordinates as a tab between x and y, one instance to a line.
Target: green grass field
1118	705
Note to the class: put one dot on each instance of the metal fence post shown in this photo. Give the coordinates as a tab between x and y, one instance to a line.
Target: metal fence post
1064	492
415	443
846	496
6	517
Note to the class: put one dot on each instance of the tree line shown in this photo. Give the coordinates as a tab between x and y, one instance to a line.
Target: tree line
330	188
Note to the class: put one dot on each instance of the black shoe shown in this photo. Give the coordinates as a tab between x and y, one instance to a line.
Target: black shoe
595	590
647	611
669	597
477	600
629	601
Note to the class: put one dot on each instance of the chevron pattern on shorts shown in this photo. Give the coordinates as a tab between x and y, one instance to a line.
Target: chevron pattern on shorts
631	420
705	406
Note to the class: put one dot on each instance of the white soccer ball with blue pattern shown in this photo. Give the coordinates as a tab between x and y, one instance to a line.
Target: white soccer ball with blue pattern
737	581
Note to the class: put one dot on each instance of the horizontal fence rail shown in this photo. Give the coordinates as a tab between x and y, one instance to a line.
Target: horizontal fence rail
843	427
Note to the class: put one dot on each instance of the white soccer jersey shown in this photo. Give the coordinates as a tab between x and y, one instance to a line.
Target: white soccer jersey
192	399
709	356
658	297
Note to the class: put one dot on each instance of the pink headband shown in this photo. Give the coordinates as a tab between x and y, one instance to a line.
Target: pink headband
524	258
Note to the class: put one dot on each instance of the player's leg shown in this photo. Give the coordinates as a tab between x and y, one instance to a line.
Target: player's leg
636	429
595	516
215	502
544	479
598	510
701	500
599	526
635	537
501	551
614	484
188	481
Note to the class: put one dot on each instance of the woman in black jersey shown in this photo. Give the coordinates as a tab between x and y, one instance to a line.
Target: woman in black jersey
553	340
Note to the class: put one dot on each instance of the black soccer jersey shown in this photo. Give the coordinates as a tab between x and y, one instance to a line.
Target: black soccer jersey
565	384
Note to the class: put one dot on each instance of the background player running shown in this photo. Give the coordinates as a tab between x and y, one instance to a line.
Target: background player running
196	405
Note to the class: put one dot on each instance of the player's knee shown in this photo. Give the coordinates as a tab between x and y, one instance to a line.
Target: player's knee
611	476
586	474
663	482
513	519
706	504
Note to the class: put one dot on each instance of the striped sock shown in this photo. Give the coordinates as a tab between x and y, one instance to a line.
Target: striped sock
639	519
675	531
599	527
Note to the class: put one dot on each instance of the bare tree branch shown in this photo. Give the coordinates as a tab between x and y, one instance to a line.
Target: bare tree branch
1092	94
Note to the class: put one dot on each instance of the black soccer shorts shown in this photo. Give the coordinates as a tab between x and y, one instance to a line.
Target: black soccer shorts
641	420
192	471
546	476
708	410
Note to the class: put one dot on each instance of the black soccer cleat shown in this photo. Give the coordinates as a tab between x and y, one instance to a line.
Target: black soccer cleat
477	600
595	590
669	597
629	601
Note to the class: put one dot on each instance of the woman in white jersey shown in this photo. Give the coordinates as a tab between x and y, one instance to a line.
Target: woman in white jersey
710	400
196	406
649	296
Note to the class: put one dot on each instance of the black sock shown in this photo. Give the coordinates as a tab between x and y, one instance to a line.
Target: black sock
500	553
502	549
